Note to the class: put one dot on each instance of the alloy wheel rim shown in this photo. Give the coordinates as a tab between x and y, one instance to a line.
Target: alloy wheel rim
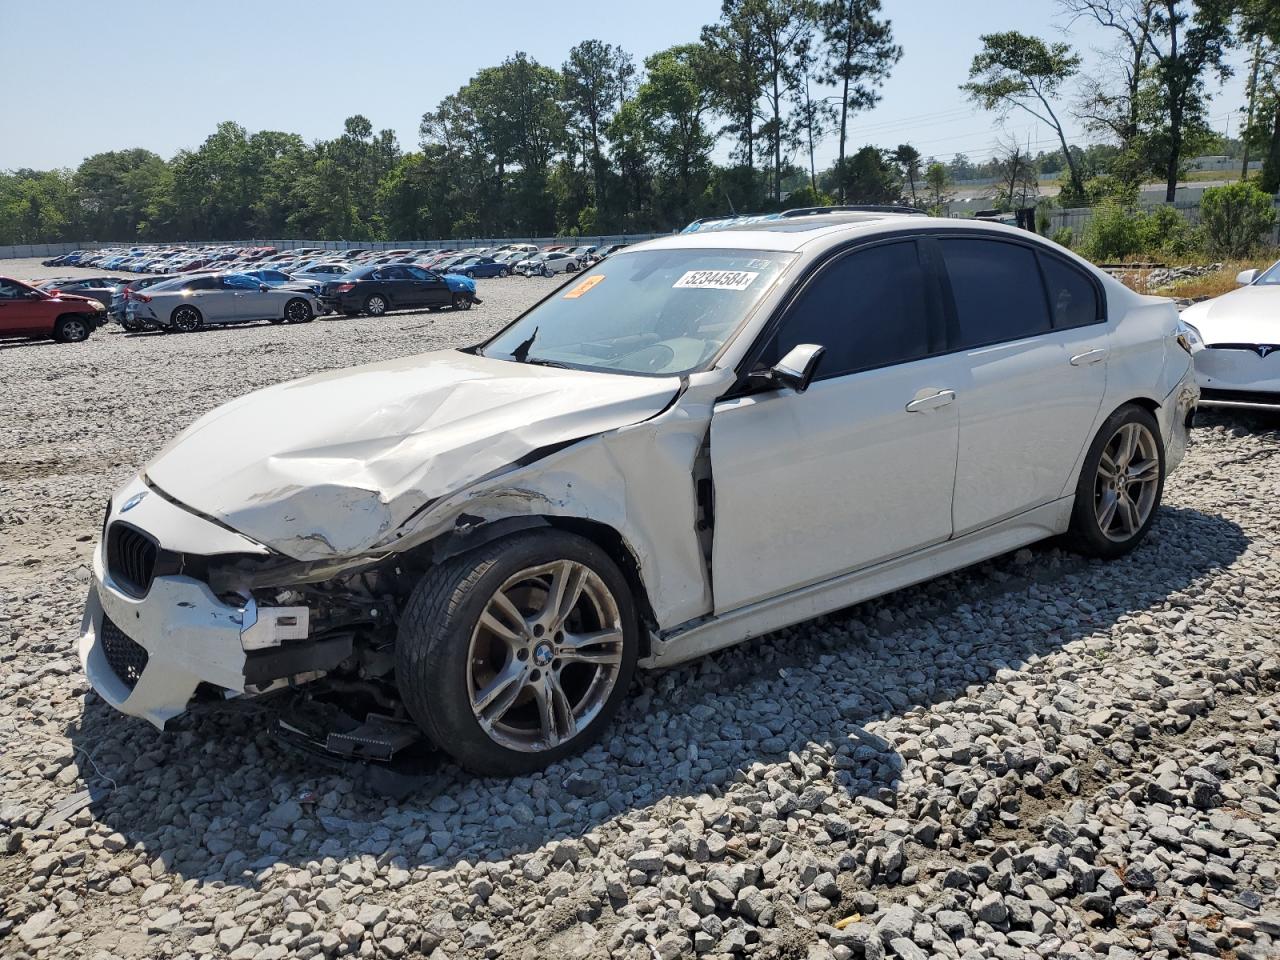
297	310
545	656
73	330
1124	490
377	305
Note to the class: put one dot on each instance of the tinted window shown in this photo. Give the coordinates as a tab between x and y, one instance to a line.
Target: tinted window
419	274
11	291
997	290
202	283
393	273
1073	299
869	309
240	282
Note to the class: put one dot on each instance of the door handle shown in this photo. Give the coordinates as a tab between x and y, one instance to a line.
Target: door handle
931	402
1089	356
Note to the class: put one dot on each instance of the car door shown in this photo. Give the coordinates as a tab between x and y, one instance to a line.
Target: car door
216	303
859	468
1036	373
22	311
398	285
431	287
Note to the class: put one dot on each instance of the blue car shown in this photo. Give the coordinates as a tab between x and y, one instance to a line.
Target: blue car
272	278
479	266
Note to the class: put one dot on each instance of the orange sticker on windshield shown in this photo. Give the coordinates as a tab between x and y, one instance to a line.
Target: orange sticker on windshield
583	287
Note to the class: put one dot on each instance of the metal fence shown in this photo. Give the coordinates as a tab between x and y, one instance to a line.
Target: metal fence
57	249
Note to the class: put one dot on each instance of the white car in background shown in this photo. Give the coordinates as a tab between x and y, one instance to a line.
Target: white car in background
192	303
547	264
1236	339
706	438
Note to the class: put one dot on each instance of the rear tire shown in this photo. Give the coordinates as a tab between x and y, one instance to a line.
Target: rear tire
71	330
489	615
1120	487
504	272
375	305
186	319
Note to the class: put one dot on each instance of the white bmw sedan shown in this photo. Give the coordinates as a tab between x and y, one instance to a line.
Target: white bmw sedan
704	438
205	300
1236	340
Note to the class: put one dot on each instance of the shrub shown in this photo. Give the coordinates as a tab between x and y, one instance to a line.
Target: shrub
1235	217
1110	234
1165	230
1064	236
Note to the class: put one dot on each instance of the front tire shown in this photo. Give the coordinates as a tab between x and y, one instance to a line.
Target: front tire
71	330
461	301
519	653
298	310
1120	485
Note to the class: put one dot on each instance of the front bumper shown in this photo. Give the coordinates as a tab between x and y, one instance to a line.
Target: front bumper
1224	373
146	655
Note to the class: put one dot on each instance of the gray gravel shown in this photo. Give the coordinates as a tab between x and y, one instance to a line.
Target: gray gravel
1040	756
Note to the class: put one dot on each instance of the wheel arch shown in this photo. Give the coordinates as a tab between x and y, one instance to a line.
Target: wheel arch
471	533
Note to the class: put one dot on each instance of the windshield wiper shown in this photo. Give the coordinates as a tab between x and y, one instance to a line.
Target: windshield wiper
543	362
521	353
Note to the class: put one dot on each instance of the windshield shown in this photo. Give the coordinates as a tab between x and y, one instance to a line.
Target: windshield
1271	277
664	312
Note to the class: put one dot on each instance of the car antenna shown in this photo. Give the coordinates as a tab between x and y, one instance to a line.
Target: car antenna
521	352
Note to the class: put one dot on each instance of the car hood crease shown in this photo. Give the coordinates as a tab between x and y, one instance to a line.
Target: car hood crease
331	464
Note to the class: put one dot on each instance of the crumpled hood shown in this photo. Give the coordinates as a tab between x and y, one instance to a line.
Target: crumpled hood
332	464
1248	315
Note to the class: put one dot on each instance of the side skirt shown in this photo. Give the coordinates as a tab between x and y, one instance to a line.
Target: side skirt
695	639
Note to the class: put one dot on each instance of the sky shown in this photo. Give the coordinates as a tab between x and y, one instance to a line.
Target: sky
161	74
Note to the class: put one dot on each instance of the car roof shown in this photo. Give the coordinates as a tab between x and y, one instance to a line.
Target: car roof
797	233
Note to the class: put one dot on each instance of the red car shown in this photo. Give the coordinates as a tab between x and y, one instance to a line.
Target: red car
28	312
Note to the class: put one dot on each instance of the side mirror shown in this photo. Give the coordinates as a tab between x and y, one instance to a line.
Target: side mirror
1246	277
263	288
797	368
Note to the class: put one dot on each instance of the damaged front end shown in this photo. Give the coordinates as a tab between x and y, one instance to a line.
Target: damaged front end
181	608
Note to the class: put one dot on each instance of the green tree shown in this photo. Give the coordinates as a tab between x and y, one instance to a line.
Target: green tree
1017	71
115	189
937	180
869	176
858	53
1189	40
907	158
596	76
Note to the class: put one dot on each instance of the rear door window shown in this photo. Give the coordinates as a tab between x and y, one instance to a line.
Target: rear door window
1073	296
996	289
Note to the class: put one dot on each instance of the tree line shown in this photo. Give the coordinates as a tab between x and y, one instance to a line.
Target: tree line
602	144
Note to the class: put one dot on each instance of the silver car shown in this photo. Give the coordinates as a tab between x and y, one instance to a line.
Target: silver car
215	299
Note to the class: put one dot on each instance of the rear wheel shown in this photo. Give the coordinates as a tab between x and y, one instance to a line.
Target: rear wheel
1120	485
504	272
519	653
298	310
71	330
187	319
375	305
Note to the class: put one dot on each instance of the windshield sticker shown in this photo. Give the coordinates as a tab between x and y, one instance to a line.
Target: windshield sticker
583	287
716	280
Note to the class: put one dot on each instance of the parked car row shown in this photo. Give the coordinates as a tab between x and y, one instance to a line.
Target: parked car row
311	263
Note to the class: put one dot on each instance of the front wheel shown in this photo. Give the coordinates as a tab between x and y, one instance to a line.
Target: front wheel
298	310
504	272
462	301
518	653
71	330
1120	485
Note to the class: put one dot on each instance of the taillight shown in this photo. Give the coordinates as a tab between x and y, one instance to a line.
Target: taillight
346	287
143	297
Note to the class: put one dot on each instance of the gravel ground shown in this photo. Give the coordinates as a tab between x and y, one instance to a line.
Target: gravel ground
1037	756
